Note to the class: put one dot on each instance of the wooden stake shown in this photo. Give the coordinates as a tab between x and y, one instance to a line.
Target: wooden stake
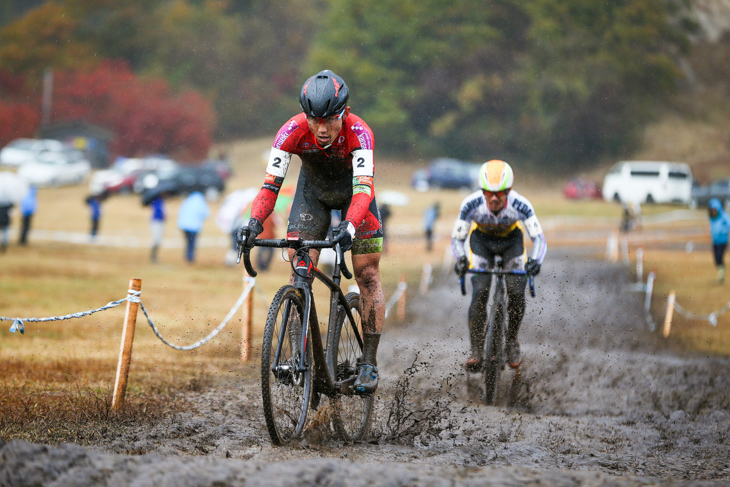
247	316
402	302
125	351
668	316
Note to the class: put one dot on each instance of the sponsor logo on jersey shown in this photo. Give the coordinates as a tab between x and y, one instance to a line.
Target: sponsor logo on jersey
284	133
362	180
522	208
363	136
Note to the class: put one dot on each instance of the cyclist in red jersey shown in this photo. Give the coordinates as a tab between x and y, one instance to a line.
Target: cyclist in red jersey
336	150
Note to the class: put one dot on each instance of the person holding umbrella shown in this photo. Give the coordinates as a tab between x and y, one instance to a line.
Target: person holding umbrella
94	201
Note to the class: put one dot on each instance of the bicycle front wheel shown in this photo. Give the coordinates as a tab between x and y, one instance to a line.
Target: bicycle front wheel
351	413
286	390
493	352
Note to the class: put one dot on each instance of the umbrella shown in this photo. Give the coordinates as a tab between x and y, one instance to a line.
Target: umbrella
233	205
236	206
393	198
165	186
12	187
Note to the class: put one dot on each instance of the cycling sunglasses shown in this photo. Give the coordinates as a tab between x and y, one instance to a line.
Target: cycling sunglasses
499	194
331	120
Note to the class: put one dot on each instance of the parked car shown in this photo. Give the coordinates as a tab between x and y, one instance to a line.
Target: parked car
184	180
221	167
720	189
648	181
20	151
446	173
127	175
582	189
68	166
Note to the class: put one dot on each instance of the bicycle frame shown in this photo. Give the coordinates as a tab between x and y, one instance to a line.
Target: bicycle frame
304	274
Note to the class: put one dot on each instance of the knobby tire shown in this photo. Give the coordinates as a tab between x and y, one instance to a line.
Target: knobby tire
286	397
494	347
351	413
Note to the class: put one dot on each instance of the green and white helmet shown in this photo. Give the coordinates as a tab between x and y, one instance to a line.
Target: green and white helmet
496	175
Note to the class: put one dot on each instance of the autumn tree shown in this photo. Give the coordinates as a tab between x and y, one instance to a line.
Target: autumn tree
43	39
145	115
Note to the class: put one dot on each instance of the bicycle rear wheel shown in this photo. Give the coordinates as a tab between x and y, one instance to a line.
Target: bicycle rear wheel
493	351
351	413
286	391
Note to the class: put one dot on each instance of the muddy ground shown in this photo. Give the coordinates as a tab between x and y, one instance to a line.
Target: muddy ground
600	401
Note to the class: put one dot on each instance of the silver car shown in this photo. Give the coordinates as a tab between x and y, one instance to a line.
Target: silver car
20	151
66	167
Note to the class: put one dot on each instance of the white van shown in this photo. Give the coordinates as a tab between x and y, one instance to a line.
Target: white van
648	182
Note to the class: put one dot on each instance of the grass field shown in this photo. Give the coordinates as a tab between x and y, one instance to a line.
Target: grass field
63	367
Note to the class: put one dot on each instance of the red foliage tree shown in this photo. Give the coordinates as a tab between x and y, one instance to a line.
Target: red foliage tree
18	118
145	115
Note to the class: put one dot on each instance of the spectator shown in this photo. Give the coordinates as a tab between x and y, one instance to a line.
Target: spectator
28	207
157	225
429	221
719	229
5	208
191	216
627	219
94	201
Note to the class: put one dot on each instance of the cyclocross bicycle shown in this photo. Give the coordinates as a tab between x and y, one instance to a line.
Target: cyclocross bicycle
494	357
296	368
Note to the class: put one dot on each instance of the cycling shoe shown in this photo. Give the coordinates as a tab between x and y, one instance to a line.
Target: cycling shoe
367	379
473	364
514	356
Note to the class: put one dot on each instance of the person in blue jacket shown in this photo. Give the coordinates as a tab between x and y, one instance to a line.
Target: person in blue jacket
190	218
157	224
28	205
719	229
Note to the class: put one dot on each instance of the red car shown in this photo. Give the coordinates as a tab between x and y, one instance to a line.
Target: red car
582	189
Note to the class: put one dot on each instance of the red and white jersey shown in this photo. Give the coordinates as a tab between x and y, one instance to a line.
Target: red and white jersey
345	165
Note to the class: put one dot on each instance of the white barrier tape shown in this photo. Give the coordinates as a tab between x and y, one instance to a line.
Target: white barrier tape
711	317
18	322
214	332
402	286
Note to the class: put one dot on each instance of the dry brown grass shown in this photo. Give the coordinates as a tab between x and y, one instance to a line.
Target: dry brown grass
57	377
692	277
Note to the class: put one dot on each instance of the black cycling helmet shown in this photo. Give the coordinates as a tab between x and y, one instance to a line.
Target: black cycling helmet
324	94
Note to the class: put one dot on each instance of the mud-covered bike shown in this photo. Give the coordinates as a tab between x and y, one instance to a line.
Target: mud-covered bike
296	368
494	357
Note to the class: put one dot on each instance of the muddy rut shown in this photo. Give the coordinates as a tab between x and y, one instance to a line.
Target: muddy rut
600	401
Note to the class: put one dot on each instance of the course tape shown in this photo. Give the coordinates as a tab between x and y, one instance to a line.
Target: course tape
134	297
201	342
711	317
18	323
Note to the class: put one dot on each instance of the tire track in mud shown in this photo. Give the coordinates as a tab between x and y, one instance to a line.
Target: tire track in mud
600	401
